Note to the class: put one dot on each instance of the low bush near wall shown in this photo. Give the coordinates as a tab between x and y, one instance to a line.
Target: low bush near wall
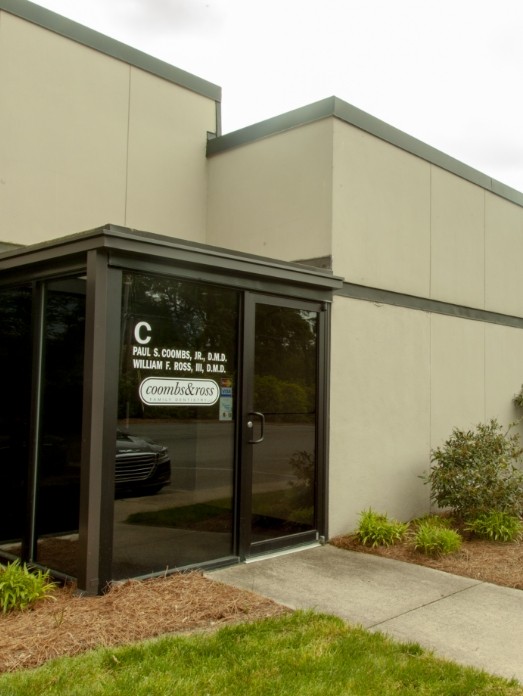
434	537
475	472
496	526
377	530
518	398
20	587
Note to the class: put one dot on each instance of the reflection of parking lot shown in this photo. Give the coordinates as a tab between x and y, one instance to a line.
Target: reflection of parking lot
202	458
168	497
142	549
202	453
272	456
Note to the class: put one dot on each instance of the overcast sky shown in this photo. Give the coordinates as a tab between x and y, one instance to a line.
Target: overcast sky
449	72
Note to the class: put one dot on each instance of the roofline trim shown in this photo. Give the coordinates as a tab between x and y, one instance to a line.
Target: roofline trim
337	108
123	240
111	47
381	296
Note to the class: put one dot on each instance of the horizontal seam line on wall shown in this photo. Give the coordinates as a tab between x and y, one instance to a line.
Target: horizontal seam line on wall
423	304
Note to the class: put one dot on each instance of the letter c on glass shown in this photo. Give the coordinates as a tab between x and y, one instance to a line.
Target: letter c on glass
138	328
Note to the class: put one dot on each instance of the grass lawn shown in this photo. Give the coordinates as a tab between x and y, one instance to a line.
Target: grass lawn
301	653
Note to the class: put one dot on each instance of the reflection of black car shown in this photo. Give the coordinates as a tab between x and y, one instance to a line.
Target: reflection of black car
141	464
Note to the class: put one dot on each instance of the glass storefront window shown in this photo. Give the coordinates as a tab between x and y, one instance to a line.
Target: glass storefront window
58	480
174	476
53	519
15	408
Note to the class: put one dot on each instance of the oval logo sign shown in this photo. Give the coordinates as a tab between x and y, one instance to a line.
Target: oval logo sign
171	391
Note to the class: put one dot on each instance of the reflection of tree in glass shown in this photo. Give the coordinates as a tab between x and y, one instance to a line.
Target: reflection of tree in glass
277	396
285	343
15	356
64	360
302	465
15	314
183	316
186	315
63	357
285	360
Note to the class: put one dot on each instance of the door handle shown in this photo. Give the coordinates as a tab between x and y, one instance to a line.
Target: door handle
250	425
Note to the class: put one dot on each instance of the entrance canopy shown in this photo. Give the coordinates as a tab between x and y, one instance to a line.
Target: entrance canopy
164	405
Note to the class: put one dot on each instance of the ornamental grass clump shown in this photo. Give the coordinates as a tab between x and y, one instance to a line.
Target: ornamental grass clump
496	526
21	587
434	538
476	472
377	530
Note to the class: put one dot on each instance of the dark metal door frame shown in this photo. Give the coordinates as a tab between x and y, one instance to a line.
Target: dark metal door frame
251	425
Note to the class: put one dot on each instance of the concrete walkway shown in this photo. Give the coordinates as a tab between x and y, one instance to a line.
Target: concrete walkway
470	622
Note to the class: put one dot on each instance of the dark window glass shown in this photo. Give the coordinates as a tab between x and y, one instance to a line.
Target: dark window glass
176	433
15	408
58	476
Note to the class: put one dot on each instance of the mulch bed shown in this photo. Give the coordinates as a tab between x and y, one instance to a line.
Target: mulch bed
132	611
495	562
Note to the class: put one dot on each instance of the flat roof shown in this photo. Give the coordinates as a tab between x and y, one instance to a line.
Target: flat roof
110	47
337	108
68	255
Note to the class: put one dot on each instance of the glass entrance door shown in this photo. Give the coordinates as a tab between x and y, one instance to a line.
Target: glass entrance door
280	441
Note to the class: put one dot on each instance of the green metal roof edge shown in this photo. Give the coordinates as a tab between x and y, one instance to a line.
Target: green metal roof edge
272	126
110	47
337	108
126	243
109	235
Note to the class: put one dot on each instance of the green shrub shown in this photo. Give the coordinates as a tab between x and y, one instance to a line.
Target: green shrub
435	539
518	398
496	526
377	530
20	587
475	472
435	521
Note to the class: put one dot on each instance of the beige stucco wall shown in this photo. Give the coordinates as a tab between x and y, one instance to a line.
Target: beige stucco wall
457	375
403	224
503	372
381	213
167	176
380	411
86	139
503	255
409	378
273	196
457	240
